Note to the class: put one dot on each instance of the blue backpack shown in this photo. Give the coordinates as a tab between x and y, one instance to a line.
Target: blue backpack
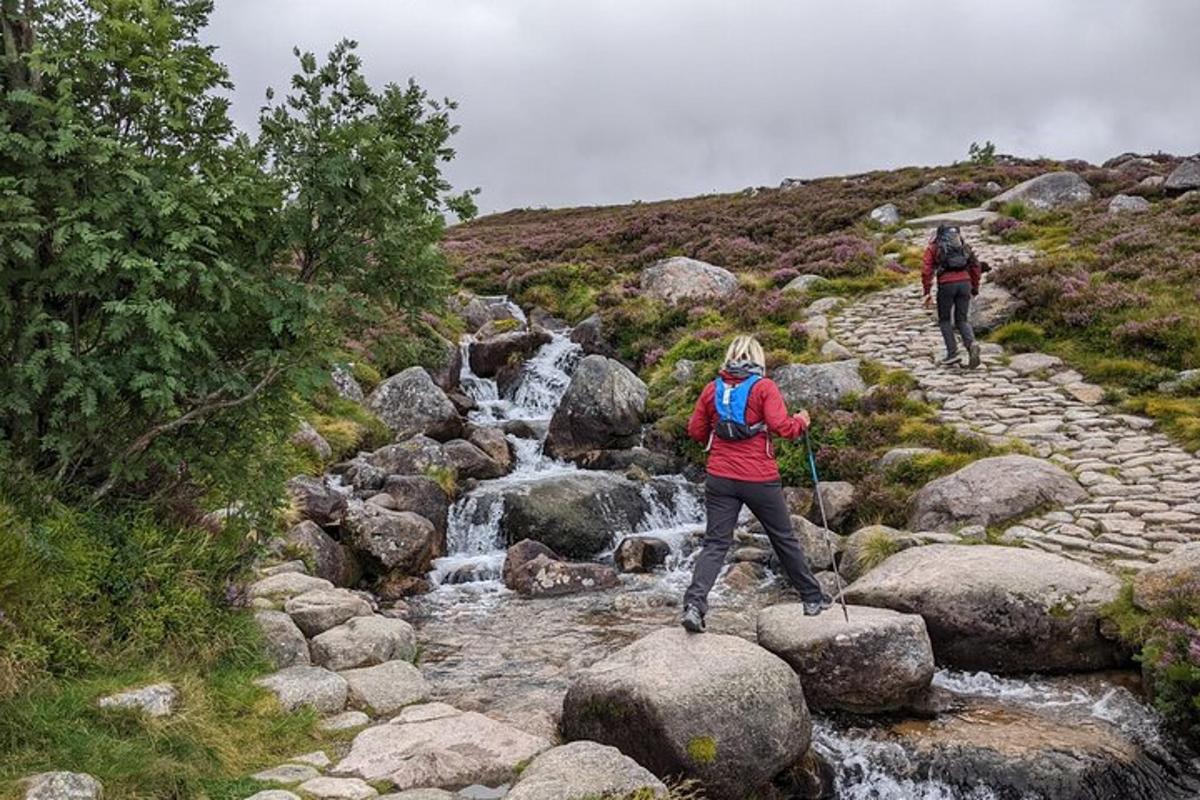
730	401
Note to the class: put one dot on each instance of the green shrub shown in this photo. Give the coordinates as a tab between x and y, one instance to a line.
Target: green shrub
1020	337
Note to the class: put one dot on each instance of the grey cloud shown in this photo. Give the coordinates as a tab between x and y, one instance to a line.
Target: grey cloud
596	101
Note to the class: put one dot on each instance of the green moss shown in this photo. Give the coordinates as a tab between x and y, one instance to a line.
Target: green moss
445	478
702	749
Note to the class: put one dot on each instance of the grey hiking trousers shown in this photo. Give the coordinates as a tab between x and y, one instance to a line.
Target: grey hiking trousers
723	500
956	298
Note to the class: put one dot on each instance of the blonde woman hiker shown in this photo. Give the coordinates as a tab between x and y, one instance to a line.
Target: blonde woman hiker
736	416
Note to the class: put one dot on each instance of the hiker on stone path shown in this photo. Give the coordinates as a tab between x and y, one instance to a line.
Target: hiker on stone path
735	416
952	261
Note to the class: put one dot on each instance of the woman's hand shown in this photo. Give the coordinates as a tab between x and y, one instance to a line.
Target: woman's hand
803	417
928	301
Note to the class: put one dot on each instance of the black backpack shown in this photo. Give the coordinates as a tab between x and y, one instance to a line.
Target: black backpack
952	253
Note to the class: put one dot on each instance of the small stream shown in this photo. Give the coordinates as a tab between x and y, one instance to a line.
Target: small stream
490	650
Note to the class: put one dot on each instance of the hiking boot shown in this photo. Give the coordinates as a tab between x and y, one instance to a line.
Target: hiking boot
975	357
816	607
693	620
950	361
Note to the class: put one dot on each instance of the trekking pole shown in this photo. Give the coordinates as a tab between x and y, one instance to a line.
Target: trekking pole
812	463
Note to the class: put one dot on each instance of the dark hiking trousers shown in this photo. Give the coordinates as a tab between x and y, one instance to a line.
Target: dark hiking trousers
956	298
723	500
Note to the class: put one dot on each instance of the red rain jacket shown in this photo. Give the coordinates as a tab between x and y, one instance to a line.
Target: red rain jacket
750	459
972	273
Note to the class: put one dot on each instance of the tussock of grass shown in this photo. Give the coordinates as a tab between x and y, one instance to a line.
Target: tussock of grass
876	549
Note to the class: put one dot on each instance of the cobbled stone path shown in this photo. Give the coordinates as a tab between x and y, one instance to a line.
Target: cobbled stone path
1144	490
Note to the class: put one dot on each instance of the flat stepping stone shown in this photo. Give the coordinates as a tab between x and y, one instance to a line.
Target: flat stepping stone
346	721
338	789
287	774
881	660
296	687
386	688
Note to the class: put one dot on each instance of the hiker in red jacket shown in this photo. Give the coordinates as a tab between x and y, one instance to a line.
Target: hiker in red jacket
952	261
735	416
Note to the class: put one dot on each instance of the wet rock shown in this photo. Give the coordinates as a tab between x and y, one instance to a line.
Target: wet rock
879	661
470	463
1001	609
992	490
810	778
651	461
838	499
420	454
286	585
386	688
886	214
601	410
156	700
410	403
743	576
590	336
574	514
297	687
331	560
641	554
420	495
284	642
437	745
534	570
678	279
1052	190
63	786
1185	177
993	307
818	385
314	499
447	368
863	549
489	356
654	700
321	609
1128	204
582	771
307	438
363	642
492	442
395	587
392	541
1174	579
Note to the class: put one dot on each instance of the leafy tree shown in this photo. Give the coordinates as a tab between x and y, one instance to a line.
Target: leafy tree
982	154
162	287
361	169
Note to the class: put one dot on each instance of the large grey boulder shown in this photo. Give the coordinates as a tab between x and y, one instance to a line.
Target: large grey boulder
1047	191
584	771
284	642
386	688
715	708
489	356
601	410
321	609
363	642
437	745
63	786
316	500
992	490
329	558
575	514
1000	609
837	499
155	700
392	541
410	403
1185	177
316	688
1174	579
1128	204
818	385
879	661
676	280
286	585
993	307
592	338
886	214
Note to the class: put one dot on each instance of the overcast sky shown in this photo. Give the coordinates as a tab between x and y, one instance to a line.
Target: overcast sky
580	102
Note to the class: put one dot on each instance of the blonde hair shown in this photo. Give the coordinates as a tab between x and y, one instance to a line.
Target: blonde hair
746	348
